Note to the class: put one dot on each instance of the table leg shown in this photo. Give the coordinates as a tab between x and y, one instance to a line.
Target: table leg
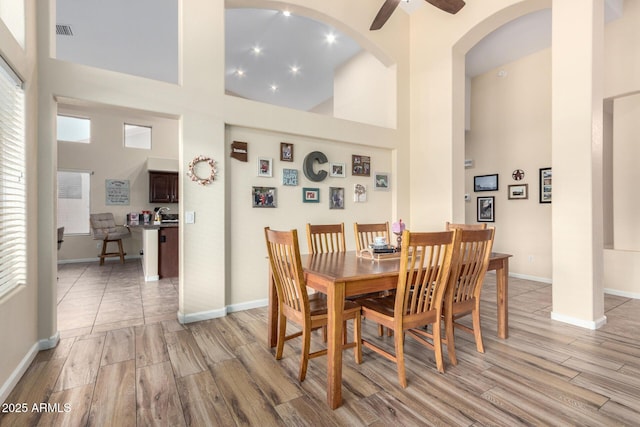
335	306
272	313
502	276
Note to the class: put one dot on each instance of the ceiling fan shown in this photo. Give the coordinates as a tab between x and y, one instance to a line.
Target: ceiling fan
451	6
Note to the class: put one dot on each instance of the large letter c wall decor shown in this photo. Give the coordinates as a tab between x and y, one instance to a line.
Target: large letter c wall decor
307	167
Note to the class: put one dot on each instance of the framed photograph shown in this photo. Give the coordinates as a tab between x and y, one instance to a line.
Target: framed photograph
265	166
545	185
337	170
290	177
310	195
486	209
286	152
485	183
359	193
360	165
518	191
264	197
381	181
336	197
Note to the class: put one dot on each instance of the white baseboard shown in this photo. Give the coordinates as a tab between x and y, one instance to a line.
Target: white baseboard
151	278
247	305
17	373
50	342
532	278
587	324
203	315
621	293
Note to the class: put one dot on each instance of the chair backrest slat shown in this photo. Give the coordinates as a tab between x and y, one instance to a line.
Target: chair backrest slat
454	226
326	238
366	233
473	249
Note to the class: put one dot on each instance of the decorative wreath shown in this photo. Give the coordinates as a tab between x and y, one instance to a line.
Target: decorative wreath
194	177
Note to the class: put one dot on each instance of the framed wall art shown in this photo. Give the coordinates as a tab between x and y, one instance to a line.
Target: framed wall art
265	166
360	165
336	197
337	170
359	193
286	152
518	191
546	179
290	177
310	195
381	181
264	197
486	209
485	183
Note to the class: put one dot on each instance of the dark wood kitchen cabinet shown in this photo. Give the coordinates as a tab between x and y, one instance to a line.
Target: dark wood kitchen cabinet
168	252
163	187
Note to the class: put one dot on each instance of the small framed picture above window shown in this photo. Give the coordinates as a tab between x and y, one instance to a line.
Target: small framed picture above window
486	209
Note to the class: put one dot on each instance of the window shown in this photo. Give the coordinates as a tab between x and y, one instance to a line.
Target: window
13	212
74	191
137	136
74	129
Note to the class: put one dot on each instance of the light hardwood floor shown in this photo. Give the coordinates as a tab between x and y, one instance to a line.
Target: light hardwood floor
123	360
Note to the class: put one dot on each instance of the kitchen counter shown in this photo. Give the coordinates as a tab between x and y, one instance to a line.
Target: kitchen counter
151	226
150	247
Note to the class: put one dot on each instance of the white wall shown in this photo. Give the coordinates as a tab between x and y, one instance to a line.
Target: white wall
511	129
107	158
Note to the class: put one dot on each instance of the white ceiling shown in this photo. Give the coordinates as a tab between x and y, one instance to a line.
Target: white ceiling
123	35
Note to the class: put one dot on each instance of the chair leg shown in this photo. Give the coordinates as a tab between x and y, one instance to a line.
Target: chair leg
357	338
121	251
477	332
450	337
304	357
282	329
437	345
104	251
399	341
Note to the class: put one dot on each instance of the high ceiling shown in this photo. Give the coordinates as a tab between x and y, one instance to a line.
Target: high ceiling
295	64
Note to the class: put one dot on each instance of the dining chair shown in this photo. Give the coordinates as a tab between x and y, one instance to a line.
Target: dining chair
425	263
296	305
453	226
103	227
365	234
472	249
326	238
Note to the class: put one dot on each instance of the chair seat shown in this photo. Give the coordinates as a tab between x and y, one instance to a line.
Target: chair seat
383	305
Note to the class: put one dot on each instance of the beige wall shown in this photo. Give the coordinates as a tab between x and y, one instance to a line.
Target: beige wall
511	129
19	307
246	223
107	158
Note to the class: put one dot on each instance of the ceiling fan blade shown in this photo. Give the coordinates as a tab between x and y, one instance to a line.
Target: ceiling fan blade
383	14
451	6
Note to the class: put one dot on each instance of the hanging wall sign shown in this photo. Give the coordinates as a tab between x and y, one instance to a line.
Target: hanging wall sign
307	167
117	191
239	150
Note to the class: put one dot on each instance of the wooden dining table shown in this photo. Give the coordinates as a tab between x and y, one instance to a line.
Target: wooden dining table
339	275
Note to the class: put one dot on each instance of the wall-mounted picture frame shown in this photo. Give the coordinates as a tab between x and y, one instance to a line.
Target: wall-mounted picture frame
337	170
381	181
518	191
485	183
265	167
360	165
359	193
336	197
290	177
310	195
286	152
486	209
546	181
264	197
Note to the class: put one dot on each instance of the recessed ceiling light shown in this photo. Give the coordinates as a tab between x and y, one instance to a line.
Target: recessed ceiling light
240	72
273	87
286	13
331	38
295	69
256	50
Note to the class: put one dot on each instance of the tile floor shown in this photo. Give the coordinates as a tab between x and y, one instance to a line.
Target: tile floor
94	298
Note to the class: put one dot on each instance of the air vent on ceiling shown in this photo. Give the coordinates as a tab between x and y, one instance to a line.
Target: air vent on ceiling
63	30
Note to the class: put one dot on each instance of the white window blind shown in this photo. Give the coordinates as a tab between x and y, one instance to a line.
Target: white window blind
13	247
